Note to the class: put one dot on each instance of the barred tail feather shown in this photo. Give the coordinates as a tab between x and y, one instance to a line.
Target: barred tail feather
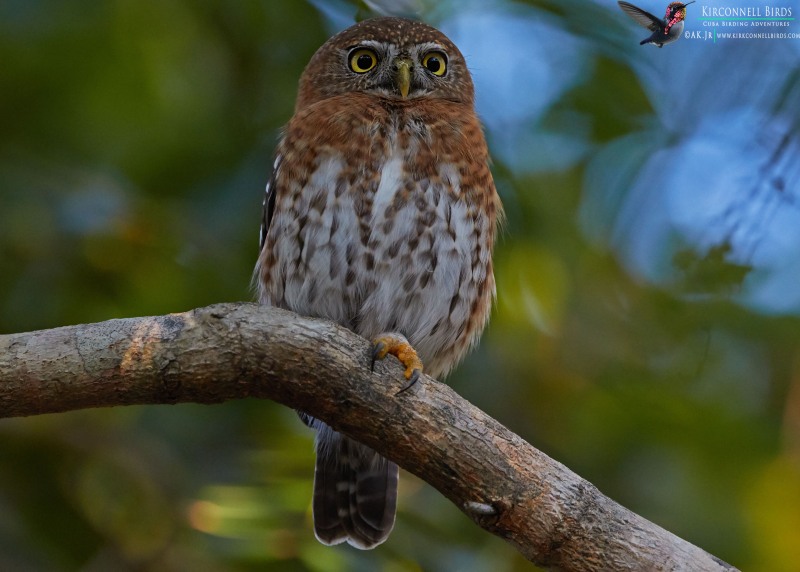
355	493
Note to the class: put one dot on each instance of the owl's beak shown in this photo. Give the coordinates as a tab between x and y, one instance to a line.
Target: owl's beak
403	75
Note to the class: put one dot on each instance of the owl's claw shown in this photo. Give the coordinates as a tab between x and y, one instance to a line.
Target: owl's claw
398	346
411	381
377	353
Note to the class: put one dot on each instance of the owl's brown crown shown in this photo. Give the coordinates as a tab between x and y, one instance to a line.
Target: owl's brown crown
401	68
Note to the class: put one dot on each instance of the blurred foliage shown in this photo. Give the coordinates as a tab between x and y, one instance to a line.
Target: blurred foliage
137	137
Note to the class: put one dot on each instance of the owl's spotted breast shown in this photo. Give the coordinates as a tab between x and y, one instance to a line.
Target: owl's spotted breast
382	225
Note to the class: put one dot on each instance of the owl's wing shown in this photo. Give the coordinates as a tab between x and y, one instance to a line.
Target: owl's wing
641	17
269	204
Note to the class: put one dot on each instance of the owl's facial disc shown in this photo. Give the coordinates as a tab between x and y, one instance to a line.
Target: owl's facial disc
398	70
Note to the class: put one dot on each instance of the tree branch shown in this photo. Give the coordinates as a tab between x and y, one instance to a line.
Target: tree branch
229	351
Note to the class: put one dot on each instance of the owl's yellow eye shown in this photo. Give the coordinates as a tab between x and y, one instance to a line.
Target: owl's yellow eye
435	62
362	60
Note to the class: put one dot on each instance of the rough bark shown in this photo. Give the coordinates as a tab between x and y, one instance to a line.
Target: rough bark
552	516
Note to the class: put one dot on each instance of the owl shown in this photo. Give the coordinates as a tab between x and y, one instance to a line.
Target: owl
380	214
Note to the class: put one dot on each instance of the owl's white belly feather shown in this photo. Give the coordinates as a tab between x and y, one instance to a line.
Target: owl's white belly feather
413	271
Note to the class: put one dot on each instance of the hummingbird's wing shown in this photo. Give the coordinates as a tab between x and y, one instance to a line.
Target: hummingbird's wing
641	17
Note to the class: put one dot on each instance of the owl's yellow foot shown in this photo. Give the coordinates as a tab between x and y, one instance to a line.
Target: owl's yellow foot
398	346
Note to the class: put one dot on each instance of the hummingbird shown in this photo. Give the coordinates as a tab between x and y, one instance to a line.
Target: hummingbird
666	30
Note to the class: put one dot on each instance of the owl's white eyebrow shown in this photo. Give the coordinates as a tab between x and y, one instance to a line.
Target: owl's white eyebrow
373	44
430	46
425	46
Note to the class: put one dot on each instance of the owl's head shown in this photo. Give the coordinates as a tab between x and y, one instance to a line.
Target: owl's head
392	58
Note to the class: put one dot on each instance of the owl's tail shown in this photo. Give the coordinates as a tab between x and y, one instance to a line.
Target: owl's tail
355	492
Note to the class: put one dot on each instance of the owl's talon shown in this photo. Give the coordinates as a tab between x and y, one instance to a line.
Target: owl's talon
379	352
411	382
398	346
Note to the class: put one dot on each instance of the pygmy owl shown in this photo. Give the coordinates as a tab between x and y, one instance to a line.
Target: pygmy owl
380	214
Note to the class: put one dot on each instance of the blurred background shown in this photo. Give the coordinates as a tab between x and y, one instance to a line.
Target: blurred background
648	315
